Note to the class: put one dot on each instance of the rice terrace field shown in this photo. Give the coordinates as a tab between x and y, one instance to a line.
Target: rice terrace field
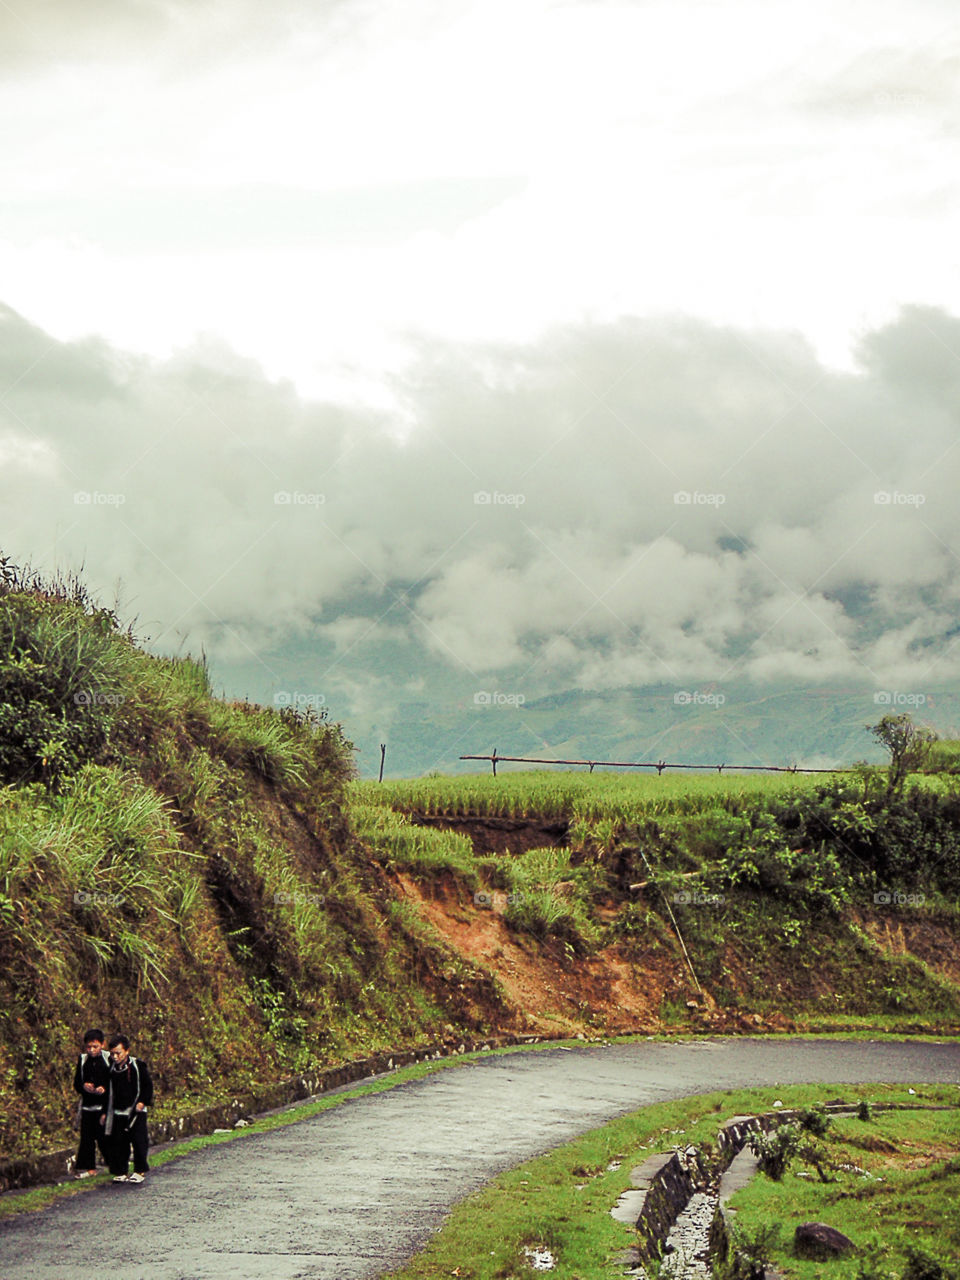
581	795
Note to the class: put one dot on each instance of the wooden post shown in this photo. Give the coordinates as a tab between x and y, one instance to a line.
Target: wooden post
493	761
383	752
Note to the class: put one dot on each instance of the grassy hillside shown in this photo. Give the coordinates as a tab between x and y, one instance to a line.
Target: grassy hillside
208	877
183	869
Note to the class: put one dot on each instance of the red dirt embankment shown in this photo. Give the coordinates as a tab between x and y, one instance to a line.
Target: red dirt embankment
549	991
642	981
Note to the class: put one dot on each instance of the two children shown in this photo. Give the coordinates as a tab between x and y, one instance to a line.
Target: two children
115	1093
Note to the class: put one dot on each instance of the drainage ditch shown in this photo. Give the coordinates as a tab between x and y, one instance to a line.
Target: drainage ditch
677	1201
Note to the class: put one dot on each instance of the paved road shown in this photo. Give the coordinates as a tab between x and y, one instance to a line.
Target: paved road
355	1191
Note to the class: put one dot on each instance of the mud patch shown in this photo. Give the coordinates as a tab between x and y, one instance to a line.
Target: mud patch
549	991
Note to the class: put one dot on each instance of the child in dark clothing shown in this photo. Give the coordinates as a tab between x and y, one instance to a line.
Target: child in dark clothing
125	1123
91	1080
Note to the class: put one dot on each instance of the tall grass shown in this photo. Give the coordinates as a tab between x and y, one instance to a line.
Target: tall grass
94	862
424	851
578	796
548	897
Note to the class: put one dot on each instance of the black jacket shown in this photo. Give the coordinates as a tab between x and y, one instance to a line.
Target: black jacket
95	1070
131	1086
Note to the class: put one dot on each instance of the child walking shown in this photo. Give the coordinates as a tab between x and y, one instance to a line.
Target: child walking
125	1120
92	1080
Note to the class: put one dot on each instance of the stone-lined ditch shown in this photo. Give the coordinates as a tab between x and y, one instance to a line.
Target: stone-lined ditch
677	1199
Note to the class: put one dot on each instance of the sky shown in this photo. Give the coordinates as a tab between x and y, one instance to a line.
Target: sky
561	343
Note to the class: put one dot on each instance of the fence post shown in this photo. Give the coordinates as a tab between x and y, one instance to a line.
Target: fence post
383	752
493	761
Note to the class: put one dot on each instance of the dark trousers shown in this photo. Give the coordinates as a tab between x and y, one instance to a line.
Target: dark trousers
123	1138
91	1137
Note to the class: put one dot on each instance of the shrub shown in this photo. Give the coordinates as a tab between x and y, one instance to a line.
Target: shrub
774	1150
922	1265
814	1120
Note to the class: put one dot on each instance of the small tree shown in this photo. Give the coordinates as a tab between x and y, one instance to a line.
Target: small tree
909	746
774	1149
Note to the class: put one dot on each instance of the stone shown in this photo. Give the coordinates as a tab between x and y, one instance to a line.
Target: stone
817	1240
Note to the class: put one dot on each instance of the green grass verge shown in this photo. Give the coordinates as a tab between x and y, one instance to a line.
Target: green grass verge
905	1211
562	1201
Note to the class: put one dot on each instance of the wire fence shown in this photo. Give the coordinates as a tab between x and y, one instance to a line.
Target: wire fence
659	765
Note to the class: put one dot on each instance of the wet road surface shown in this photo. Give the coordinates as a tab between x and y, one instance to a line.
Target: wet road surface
356	1190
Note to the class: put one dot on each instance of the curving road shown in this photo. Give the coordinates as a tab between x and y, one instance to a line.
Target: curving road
358	1189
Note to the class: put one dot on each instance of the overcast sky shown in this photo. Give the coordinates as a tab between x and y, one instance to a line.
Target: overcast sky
609	343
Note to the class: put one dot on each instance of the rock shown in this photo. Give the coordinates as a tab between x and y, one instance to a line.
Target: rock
817	1240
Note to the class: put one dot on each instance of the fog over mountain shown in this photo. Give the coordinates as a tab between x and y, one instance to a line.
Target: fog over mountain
646	502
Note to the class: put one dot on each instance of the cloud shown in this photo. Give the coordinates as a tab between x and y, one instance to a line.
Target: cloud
890	81
102	31
631	502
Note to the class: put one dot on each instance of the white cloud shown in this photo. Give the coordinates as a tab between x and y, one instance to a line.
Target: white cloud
615	503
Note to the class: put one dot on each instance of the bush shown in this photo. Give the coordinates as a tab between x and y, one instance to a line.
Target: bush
922	1265
774	1150
814	1120
751	1251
